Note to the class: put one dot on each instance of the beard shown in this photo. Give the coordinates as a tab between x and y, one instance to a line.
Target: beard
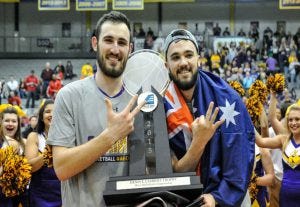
112	72
184	85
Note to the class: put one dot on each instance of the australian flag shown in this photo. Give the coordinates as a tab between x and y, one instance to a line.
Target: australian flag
227	162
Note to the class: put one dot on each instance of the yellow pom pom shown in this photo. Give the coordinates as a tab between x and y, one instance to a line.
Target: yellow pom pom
16	172
238	87
254	107
47	156
259	89
276	83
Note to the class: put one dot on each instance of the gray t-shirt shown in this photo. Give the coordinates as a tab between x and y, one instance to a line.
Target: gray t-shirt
79	115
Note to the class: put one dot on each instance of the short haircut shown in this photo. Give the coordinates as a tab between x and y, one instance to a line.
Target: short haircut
115	17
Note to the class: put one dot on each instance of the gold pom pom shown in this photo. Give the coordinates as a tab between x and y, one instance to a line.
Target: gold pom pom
20	112
238	87
16	172
260	90
255	108
47	156
276	83
253	190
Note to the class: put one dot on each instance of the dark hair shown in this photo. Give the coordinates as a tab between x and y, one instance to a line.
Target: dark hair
12	110
40	128
115	17
32	116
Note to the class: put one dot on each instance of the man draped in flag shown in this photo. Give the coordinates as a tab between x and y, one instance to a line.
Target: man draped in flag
222	154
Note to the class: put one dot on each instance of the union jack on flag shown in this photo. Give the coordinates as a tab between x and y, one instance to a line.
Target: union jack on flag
227	161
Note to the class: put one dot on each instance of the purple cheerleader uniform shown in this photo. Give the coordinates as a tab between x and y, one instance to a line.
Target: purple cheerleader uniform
261	198
290	187
44	188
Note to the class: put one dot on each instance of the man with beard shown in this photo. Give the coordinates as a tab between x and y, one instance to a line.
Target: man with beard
222	154
92	118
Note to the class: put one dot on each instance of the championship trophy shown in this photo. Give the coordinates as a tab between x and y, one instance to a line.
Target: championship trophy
150	169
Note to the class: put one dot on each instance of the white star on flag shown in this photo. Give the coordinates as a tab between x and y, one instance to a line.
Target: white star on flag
229	113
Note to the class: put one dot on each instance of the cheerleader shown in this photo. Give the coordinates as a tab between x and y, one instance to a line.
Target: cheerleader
44	187
290	145
10	135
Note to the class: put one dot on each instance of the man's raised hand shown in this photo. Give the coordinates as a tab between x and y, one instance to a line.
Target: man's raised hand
119	125
204	127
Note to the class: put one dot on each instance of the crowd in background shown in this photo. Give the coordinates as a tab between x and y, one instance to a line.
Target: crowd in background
279	53
245	63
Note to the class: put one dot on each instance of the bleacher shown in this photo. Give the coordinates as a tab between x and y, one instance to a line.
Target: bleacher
20	68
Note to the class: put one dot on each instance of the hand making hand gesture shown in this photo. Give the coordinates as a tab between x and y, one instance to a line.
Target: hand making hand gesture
204	127
120	124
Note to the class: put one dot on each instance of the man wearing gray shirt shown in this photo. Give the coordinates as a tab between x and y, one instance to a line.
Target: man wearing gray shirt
92	119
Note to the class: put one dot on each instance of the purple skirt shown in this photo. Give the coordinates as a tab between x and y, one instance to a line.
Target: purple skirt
45	189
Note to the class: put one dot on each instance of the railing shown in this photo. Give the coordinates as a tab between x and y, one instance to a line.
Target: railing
52	47
44	44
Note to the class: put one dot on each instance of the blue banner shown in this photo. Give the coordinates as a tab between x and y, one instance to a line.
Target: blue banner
91	5
53	5
128	4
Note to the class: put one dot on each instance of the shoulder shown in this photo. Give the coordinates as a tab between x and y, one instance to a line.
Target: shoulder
32	136
77	87
14	143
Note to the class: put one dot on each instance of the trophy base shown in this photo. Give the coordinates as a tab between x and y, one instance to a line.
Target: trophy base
131	189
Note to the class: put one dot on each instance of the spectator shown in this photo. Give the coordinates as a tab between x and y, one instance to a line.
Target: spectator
253	33
226	32
30	127
46	76
247	81
54	86
86	70
217	30
149	41
141	33
59	68
59	74
283	63
271	63
22	90
14	99
12	84
69	71
31	83
241	33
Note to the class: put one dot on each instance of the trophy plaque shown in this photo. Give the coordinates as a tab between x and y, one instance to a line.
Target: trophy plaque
150	169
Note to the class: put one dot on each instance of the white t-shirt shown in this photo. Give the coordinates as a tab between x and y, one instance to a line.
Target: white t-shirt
276	156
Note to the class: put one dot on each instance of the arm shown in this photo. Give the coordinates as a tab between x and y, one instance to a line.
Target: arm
275	123
264	126
203	129
273	143
71	161
32	152
269	176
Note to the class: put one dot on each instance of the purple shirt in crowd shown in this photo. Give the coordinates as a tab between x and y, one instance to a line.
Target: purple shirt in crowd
271	63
